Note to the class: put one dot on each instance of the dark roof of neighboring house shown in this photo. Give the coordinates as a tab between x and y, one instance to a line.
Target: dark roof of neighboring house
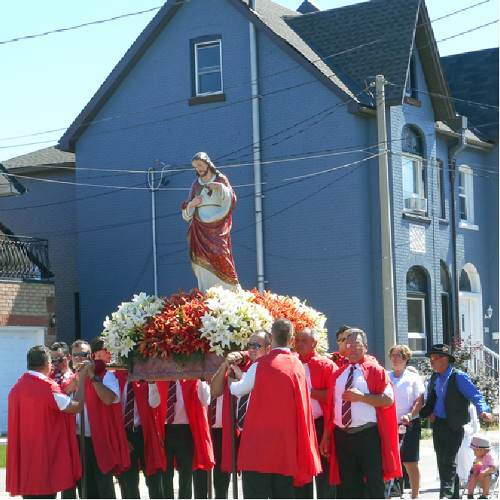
473	77
363	42
43	158
358	41
307	7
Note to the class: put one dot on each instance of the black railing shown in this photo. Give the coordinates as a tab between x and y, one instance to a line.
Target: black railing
24	258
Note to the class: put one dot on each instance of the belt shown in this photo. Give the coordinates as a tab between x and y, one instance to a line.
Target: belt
354	430
135	428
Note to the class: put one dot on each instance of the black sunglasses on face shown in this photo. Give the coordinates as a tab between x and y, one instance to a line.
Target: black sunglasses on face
81	354
254	345
58	360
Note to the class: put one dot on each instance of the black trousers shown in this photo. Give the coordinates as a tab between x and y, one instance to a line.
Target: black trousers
359	456
99	485
179	445
129	479
220	479
446	445
263	485
323	487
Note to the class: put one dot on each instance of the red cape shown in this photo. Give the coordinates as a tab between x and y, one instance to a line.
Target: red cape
42	439
321	369
154	447
227	442
198	421
210	242
107	431
278	436
387	422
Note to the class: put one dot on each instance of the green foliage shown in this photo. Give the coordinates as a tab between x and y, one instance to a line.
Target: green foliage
464	350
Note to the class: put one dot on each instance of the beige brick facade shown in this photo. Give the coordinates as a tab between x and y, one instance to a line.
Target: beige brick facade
28	304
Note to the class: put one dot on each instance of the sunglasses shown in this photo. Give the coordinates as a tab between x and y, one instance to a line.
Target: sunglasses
81	354
58	360
436	356
354	345
254	345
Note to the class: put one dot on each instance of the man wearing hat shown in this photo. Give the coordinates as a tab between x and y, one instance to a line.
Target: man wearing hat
485	464
448	395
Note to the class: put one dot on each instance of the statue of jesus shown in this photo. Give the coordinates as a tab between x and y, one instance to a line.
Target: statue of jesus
209	207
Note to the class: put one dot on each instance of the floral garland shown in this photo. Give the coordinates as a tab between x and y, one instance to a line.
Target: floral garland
190	324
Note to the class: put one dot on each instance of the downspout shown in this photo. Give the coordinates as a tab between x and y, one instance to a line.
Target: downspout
453	152
257	171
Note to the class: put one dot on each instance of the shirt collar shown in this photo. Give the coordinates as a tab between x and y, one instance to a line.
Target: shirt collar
307	357
36	374
286	349
447	373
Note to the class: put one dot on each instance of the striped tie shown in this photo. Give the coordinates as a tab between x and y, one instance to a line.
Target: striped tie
346	405
171	400
242	410
128	416
212	412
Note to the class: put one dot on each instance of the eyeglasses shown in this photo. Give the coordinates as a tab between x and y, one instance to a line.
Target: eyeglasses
81	354
254	345
58	360
396	355
340	340
355	345
436	356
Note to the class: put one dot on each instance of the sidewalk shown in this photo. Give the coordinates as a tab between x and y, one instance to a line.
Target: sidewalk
429	487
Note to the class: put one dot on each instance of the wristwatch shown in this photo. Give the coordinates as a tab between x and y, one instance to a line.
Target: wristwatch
96	378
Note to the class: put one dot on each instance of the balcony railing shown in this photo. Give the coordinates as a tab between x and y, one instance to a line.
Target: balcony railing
24	258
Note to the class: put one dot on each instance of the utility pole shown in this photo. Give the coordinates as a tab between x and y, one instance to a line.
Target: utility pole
153	186
385	222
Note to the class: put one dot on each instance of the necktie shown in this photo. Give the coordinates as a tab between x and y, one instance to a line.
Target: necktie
346	405
171	400
242	410
128	416
212	412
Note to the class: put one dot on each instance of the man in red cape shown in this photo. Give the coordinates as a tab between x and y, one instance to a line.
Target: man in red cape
187	437
319	370
61	372
42	454
278	444
209	207
106	451
358	463
144	438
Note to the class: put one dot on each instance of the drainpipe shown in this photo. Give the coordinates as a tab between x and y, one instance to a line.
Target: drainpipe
257	174
453	152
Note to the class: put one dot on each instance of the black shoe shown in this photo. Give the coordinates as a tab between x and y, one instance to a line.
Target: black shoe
470	495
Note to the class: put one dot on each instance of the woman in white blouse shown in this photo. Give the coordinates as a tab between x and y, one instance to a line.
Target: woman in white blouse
409	393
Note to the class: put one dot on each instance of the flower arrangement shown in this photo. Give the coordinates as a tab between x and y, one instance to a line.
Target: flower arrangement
190	325
124	329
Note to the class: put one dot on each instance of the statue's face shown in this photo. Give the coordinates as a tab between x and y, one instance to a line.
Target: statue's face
202	169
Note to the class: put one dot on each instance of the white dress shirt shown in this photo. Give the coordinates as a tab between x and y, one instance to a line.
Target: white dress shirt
61	399
361	413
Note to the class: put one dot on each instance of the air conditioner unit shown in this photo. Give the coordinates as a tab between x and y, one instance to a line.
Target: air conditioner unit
416	204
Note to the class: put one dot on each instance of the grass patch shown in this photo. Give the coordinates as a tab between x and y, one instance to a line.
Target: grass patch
3	454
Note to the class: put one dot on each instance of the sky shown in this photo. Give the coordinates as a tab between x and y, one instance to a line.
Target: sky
45	81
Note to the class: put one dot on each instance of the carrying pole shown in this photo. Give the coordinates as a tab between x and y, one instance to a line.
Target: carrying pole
82	454
233	445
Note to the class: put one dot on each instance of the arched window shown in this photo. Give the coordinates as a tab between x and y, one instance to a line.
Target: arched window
418	315
413	170
446	304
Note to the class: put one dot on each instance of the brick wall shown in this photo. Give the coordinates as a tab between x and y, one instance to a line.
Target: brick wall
28	304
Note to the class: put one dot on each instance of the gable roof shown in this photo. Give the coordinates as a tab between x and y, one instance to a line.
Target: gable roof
43	158
473	79
360	41
269	17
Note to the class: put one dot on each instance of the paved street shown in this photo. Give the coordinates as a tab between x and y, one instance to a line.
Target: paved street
428	469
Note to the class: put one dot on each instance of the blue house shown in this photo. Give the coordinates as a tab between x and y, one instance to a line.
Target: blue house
284	102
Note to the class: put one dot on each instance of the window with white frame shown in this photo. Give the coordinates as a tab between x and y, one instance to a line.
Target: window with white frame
413	171
208	67
417	305
466	194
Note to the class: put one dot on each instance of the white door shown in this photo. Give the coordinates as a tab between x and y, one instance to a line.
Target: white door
470	317
15	342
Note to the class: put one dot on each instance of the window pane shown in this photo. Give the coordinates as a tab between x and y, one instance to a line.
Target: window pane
408	177
209	82
417	345
416	316
208	56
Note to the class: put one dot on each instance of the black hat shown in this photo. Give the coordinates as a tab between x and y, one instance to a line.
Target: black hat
441	349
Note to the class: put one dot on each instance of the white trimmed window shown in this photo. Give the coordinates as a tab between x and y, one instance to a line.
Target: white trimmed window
413	171
208	67
417	305
466	195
